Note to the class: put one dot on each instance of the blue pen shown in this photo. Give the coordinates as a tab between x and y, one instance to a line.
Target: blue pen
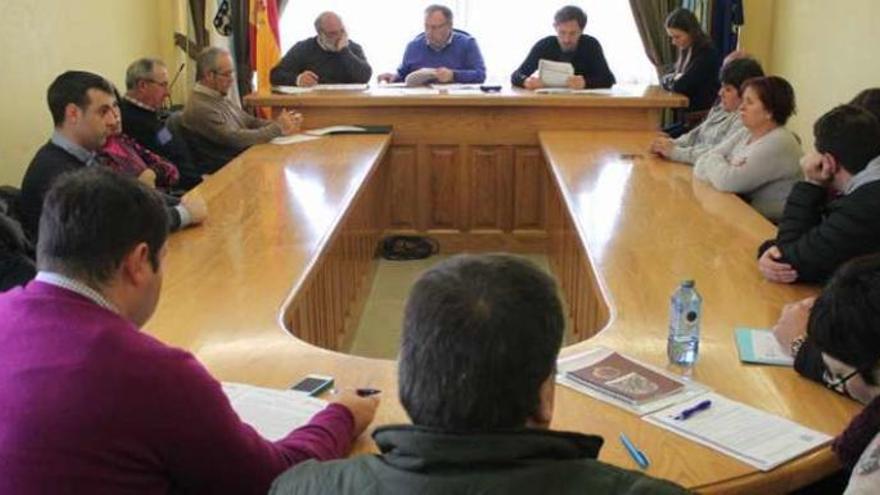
636	454
687	413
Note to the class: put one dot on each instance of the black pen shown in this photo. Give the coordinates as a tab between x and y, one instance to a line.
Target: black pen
366	392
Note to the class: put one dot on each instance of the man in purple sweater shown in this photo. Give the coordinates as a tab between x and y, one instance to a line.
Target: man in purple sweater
89	403
454	55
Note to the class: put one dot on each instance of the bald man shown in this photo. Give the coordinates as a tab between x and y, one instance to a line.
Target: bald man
328	58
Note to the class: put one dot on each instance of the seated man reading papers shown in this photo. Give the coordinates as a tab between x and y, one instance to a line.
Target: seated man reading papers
476	373
444	54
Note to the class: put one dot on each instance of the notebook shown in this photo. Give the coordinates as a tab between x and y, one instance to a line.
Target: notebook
760	347
626	380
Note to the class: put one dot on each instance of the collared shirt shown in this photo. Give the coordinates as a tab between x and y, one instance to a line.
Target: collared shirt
74	285
80	153
201	88
134	101
445	44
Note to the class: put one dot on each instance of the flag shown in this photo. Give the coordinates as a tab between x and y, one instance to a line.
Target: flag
264	40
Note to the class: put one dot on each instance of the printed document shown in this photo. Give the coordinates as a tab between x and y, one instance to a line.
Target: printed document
273	413
554	74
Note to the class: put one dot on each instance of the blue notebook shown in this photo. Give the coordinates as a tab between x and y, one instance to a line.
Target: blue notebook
760	347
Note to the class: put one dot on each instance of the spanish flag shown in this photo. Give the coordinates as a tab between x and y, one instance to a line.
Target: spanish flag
264	40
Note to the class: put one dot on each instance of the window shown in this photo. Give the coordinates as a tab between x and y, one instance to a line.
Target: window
505	34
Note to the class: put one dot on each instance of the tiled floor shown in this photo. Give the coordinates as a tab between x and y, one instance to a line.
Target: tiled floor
378	334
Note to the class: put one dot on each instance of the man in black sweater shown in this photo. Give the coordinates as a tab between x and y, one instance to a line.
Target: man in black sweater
83	107
146	83
569	45
328	58
834	214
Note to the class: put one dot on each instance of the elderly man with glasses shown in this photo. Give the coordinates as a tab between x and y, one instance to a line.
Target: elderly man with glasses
452	54
328	58
217	129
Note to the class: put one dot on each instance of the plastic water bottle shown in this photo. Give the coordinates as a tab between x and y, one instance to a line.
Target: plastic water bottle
684	325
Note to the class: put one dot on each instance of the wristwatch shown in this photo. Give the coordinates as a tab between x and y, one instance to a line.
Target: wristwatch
796	344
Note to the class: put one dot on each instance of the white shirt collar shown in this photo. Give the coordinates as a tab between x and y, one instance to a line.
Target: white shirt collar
74	285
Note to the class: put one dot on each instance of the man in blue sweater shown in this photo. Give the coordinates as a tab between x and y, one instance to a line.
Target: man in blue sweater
453	54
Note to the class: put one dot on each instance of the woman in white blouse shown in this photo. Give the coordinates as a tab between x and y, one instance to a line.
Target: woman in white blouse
761	161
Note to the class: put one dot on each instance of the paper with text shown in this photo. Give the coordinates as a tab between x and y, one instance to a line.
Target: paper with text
273	413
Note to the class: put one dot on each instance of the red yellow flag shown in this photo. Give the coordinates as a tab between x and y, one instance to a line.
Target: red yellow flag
264	40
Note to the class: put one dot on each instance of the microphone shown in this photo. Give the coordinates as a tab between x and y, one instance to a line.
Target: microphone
173	81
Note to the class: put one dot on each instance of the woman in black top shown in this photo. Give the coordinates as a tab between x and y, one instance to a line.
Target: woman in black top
695	73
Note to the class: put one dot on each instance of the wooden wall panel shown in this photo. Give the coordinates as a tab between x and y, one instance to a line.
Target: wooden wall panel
489	186
440	184
530	183
403	189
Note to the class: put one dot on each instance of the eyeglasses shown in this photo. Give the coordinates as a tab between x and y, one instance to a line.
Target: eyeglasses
227	73
838	384
164	84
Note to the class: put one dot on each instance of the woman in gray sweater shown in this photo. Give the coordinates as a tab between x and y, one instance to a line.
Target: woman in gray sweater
761	161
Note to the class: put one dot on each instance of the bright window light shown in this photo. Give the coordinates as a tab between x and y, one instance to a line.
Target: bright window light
505	31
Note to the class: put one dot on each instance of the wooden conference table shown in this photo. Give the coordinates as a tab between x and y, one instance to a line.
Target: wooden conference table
290	241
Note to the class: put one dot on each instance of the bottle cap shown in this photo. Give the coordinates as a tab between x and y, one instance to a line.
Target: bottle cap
687	283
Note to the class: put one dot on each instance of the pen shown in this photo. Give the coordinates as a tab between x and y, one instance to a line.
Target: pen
687	413
366	392
636	454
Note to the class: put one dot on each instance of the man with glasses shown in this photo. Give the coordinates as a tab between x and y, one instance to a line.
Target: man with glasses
146	84
217	129
452	54
841	347
328	58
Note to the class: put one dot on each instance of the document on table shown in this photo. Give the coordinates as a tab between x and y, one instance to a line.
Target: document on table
554	74
578	361
273	413
421	77
342	87
761	347
290	90
335	129
292	139
755	437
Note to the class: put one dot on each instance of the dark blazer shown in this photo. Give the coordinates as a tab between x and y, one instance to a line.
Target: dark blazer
588	61
699	79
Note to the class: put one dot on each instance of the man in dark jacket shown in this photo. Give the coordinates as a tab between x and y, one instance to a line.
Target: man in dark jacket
834	214
328	58
476	376
569	45
83	107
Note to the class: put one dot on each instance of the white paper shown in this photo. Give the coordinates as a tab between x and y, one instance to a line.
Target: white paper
273	413
341	87
292	139
398	91
767	348
456	87
421	77
323	131
577	361
291	90
554	74
755	437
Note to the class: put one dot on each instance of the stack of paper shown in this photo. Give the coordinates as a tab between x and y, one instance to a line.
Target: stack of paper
273	413
761	347
554	74
290	90
296	138
758	438
421	77
342	87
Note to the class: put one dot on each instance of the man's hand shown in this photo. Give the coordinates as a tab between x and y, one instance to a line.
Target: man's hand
533	83
792	322
386	77
306	79
576	82
342	42
773	269
663	146
196	206
290	122
445	75
362	408
148	177
819	169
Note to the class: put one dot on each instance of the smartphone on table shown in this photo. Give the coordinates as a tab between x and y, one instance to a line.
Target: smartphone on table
313	385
